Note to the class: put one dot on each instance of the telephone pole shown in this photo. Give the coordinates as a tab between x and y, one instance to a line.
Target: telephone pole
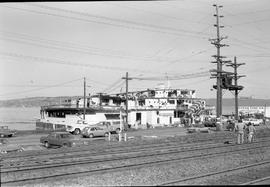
100	98
126	95
236	87
84	95
219	61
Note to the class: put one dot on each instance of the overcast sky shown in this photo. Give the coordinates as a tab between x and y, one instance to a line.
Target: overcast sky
46	48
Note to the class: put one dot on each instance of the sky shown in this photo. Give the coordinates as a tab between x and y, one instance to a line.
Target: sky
47	48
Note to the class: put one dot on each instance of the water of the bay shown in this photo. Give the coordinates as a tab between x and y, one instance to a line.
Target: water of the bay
20	118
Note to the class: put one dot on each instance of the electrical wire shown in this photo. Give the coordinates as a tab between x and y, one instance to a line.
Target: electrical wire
63	62
179	77
106	23
112	85
156	13
69	46
111	19
38	89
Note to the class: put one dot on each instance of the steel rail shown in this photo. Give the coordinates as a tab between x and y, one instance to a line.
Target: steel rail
128	166
117	146
176	181
98	153
121	157
256	181
131	147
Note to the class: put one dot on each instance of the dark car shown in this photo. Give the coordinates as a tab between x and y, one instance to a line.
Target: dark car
230	125
6	132
210	123
62	139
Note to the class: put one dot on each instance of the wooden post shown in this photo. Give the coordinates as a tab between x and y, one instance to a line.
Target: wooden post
125	137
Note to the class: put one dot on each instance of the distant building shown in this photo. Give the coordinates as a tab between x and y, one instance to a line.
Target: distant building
251	110
156	107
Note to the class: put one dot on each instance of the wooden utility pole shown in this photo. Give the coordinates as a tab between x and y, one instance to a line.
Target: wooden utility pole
236	87
126	95
235	91
100	98
219	62
84	95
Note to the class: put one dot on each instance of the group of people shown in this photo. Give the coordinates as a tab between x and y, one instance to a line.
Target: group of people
242	129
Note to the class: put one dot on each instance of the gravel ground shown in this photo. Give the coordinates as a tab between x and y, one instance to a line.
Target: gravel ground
153	175
156	174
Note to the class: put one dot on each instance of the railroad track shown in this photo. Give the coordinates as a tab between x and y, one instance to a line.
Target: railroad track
151	161
111	146
108	148
193	179
260	181
80	157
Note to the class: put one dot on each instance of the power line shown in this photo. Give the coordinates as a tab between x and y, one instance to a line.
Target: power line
69	46
113	19
250	12
157	13
63	62
84	52
179	77
107	23
114	84
251	22
38	89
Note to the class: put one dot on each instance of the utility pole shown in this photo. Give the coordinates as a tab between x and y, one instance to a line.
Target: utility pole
84	95
100	94
236	87
218	61
126	95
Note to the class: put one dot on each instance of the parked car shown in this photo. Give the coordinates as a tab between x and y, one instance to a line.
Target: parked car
6	132
210	123
93	131
62	139
255	122
230	125
112	125
77	127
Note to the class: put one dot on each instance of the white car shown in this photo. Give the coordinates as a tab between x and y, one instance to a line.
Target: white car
255	122
76	128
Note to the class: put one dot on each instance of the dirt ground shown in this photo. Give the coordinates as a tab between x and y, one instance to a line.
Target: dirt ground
32	141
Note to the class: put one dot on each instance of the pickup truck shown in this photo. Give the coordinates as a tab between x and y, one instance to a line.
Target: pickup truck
76	128
6	132
61	139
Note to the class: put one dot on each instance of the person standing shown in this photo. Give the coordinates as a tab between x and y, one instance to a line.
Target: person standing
239	129
251	132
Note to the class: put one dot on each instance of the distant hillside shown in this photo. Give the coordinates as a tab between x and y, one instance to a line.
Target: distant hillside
242	102
41	101
32	102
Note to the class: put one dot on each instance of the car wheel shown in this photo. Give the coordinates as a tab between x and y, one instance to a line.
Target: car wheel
91	136
77	131
106	134
46	144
